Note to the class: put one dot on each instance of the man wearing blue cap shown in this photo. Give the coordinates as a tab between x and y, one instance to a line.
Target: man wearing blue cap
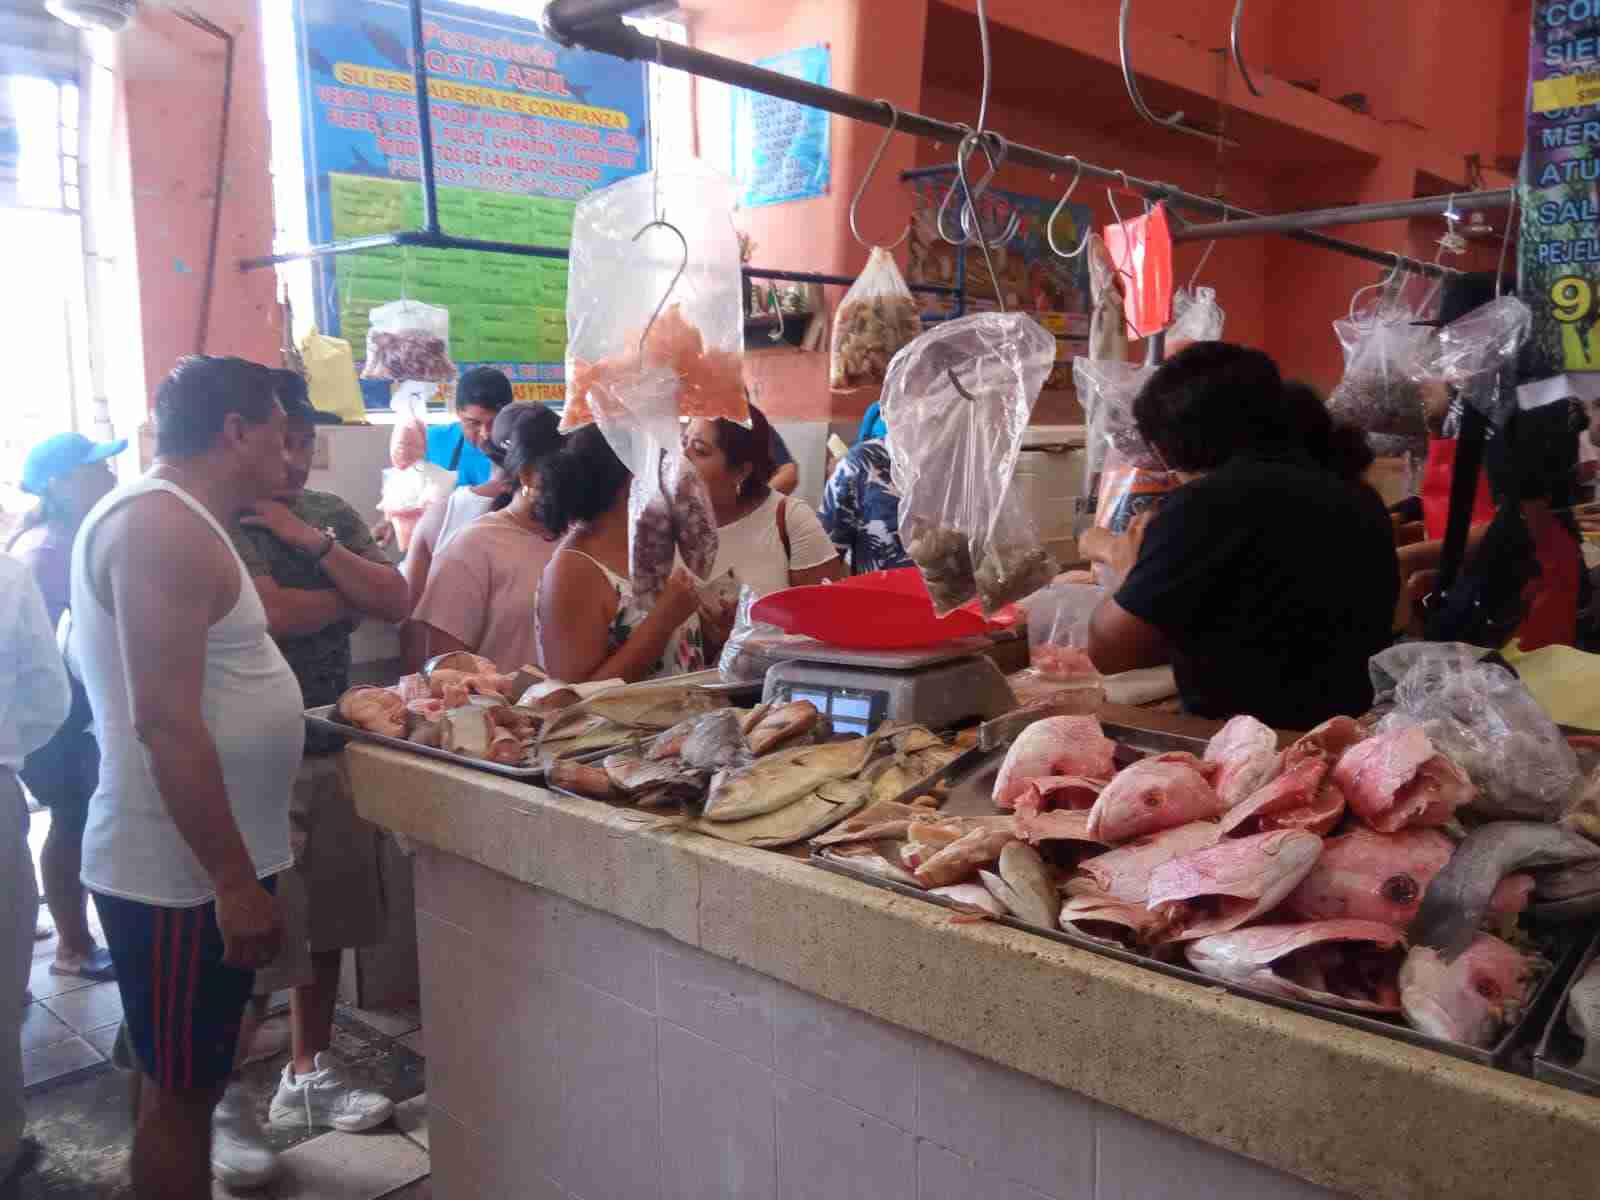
69	474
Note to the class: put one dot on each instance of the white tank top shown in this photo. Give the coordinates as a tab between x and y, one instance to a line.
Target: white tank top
251	704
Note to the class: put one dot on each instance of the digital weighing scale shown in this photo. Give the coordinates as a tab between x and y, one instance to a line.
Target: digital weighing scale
937	686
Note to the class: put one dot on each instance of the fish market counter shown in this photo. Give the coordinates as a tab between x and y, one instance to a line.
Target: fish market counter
616	1012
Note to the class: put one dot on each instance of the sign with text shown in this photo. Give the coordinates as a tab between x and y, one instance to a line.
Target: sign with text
1559	268
781	149
523	128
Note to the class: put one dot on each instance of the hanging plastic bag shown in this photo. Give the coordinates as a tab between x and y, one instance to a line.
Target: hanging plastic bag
877	316
1141	248
408	339
1471	352
957	401
331	376
1196	317
406	494
1382	343
669	509
624	264
1058	630
408	439
1122	476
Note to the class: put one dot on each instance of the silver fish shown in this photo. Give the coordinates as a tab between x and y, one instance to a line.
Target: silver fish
715	743
1458	897
783	777
827	806
1583	1018
1002	892
1039	902
970	897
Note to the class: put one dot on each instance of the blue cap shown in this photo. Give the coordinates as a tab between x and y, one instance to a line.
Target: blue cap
56	456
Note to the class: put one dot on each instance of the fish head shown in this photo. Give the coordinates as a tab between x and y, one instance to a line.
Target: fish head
1221	887
1371	876
1467	1000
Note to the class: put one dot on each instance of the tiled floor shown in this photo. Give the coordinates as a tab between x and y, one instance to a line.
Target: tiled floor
77	1101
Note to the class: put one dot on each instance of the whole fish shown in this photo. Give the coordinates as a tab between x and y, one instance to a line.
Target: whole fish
1222	887
882	819
829	804
1039	901
1124	873
1344	964
1399	779
866	857
1107	919
785	723
1054	746
1302	797
970	897
1001	892
1151	795
1583	1018
924	839
630	772
715	742
583	780
656	707
1455	903
783	777
1247	752
962	857
1472	998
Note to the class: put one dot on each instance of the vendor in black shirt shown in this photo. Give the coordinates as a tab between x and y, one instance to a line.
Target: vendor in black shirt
1269	578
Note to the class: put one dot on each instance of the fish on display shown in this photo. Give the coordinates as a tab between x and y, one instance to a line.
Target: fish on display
426	721
1057	825
830	803
375	709
1117	922
1035	897
1329	740
1583	1018
644	710
882	819
1054	746
1059	792
962	857
1398	779
1151	795
630	773
1568	893
715	743
970	897
1459	896
1344	964
1124	873
866	857
1301	798
784	723
1471	999
784	777
1222	887
581	780
1247	753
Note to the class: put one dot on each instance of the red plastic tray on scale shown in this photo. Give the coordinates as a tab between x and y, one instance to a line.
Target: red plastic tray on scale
883	610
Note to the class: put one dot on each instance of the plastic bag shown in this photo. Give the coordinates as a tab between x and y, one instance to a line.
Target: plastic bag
753	647
622	263
1122	477
957	401
1058	630
331	376
1141	248
1471	352
408	440
1480	716
669	509
1196	317
409	340
406	494
1108	328
1382	345
877	316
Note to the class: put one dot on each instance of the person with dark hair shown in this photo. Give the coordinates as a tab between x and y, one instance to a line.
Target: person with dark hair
318	572
766	541
480	594
69	474
201	729
463	447
589	624
1269	578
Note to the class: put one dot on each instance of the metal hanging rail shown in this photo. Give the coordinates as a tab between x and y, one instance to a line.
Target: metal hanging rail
596	25
1354	214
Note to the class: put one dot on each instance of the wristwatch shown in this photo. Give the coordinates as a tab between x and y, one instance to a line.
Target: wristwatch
328	543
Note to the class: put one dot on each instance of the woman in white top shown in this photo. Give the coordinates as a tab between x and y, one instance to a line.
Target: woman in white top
766	541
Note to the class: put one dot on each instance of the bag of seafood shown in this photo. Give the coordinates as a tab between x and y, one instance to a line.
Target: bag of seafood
654	281
877	316
957	401
1058	630
409	340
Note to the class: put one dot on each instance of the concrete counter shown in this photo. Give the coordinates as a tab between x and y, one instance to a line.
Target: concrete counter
619	1012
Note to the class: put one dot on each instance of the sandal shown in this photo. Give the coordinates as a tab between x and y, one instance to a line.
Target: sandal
95	965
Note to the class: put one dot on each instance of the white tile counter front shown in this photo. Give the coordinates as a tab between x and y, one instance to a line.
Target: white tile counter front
616	1012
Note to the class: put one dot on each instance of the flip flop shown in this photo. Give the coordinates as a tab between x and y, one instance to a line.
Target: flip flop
97	965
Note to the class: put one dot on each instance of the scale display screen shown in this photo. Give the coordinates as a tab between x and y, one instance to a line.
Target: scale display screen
854	711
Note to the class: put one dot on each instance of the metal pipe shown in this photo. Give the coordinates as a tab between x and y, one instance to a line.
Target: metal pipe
1354	214
564	18
419	73
1131	82
622	41
209	283
1237	50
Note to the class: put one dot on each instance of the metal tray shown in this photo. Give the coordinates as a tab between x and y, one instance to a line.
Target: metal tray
324	717
1558	1049
970	796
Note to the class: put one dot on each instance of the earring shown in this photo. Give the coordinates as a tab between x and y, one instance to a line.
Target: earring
527	492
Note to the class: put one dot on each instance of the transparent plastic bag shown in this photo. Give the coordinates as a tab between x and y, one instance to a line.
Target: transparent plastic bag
409	340
623	263
877	316
406	494
1108	328
408	439
669	509
1058	630
1122	477
752	648
957	401
1382	344
1196	317
1483	340
1479	715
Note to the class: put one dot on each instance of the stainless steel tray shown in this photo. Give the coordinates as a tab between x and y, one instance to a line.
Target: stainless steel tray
970	796
1558	1048
324	717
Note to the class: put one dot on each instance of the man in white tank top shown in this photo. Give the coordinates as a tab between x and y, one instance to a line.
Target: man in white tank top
200	725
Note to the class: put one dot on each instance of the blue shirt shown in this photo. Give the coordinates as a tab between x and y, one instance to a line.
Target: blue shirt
872	425
861	512
472	468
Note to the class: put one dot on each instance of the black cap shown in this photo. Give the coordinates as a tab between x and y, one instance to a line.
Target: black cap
483	387
291	391
523	432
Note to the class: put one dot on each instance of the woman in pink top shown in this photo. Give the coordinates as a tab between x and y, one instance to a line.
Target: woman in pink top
483	586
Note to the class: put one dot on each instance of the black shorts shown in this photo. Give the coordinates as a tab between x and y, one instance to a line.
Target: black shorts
63	773
181	1006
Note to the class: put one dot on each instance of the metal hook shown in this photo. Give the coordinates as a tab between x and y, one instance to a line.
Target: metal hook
956	383
1050	227
872	169
969	212
682	266
1237	52
1131	82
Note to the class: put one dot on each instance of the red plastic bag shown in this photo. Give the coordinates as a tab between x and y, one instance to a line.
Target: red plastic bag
1141	248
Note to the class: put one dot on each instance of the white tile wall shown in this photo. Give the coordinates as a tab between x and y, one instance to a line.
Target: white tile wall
575	1056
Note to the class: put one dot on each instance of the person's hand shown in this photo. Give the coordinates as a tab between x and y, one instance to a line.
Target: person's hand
277	519
252	929
680	599
383	531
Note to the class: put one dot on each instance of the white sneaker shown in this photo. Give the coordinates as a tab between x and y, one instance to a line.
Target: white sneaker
325	1098
240	1156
